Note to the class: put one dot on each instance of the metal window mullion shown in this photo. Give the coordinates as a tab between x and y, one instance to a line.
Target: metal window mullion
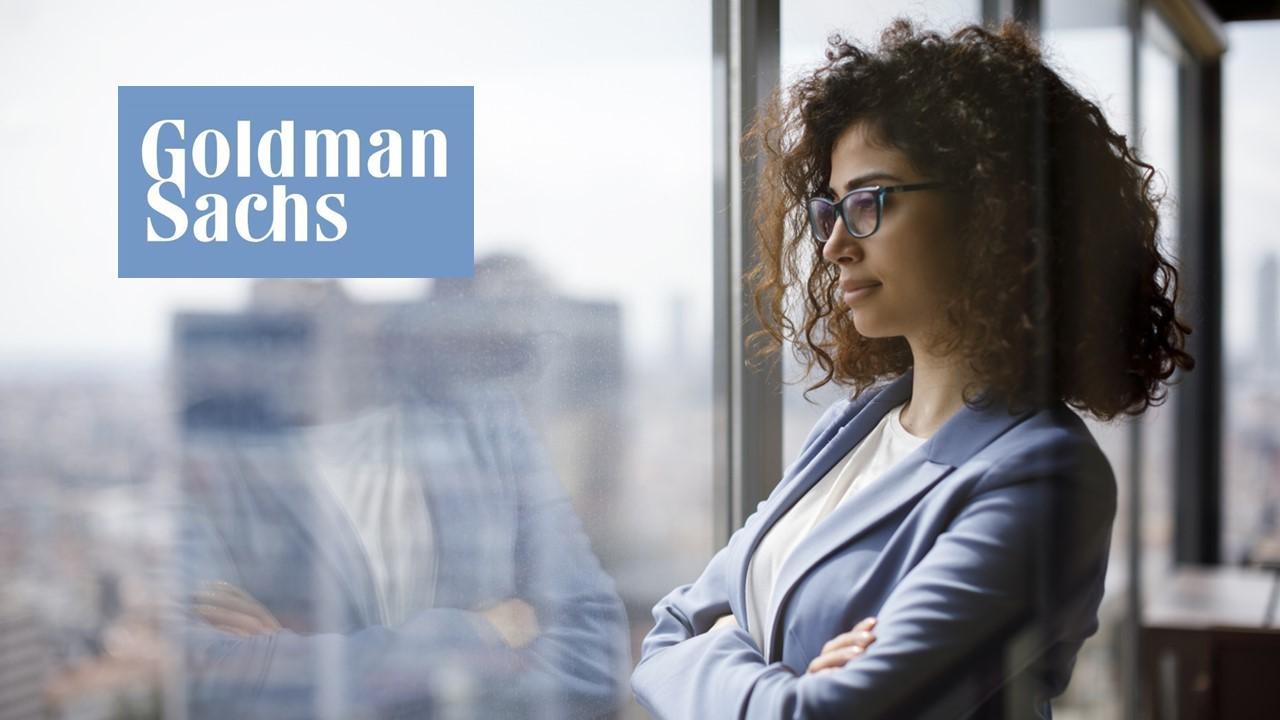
747	403
1198	480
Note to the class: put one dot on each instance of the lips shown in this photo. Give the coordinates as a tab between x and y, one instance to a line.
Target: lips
851	285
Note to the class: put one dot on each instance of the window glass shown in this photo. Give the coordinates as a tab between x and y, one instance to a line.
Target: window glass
1092	49
518	461
1160	57
1251	303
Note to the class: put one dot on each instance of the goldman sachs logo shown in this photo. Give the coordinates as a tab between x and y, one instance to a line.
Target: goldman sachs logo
296	181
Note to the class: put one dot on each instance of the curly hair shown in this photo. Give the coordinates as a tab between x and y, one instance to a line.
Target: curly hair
1069	296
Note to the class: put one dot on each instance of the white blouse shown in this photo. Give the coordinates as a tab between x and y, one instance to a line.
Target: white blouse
361	463
886	444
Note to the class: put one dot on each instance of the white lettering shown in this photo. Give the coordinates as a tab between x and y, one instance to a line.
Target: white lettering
310	152
200	153
284	138
387	161
439	153
242	216
218	216
334	217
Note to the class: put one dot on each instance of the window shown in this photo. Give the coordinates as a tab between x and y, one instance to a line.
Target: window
1251	383
125	399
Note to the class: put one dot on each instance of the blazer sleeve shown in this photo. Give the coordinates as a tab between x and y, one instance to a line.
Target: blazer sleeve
985	581
577	663
691	609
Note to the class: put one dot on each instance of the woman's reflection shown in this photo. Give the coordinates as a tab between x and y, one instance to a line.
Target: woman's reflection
416	559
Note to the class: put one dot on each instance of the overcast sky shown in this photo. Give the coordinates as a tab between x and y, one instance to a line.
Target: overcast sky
592	143
593	128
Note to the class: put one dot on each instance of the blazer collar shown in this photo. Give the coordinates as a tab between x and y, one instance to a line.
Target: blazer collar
962	435
959	438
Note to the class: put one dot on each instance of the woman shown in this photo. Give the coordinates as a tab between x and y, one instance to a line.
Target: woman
963	224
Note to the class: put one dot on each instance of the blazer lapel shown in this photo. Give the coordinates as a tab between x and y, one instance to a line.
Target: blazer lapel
904	483
829	449
275	469
965	433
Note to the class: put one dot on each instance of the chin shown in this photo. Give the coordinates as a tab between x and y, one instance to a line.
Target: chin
870	326
869	329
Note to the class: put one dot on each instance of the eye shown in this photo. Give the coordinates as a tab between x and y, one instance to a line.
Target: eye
864	201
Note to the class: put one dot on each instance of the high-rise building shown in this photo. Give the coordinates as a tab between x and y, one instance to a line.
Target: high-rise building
26	663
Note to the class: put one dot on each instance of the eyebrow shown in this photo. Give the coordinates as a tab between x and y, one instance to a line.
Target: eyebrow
861	180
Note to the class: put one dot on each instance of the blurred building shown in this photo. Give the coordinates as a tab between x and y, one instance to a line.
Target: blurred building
304	351
26	663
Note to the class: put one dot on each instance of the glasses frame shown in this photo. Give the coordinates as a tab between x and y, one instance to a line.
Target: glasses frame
838	205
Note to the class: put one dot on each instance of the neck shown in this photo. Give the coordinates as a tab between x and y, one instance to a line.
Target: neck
937	391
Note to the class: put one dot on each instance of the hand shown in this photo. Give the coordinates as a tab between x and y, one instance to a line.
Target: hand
515	620
724	621
844	647
230	609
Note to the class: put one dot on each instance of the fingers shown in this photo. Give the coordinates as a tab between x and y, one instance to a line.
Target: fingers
835	658
845	647
515	620
861	635
857	638
233	610
230	621
227	599
528	619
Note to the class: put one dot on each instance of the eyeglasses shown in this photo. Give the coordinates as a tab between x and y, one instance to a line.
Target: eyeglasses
861	210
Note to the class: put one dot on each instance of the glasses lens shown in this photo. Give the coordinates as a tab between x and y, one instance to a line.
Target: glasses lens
860	212
822	218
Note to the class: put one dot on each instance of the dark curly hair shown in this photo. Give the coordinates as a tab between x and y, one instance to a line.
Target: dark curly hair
1070	297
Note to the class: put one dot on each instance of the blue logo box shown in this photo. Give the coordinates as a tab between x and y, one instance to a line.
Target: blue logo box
258	181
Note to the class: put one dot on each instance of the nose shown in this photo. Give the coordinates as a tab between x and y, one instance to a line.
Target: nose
841	247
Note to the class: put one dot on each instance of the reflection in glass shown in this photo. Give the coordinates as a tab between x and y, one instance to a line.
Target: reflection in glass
616	388
401	546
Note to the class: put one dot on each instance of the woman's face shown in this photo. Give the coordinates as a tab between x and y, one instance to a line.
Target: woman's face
910	261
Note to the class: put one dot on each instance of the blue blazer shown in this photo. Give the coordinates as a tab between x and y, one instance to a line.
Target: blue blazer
982	554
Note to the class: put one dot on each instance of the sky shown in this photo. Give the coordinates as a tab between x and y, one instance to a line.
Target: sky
592	153
1251	183
593	142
